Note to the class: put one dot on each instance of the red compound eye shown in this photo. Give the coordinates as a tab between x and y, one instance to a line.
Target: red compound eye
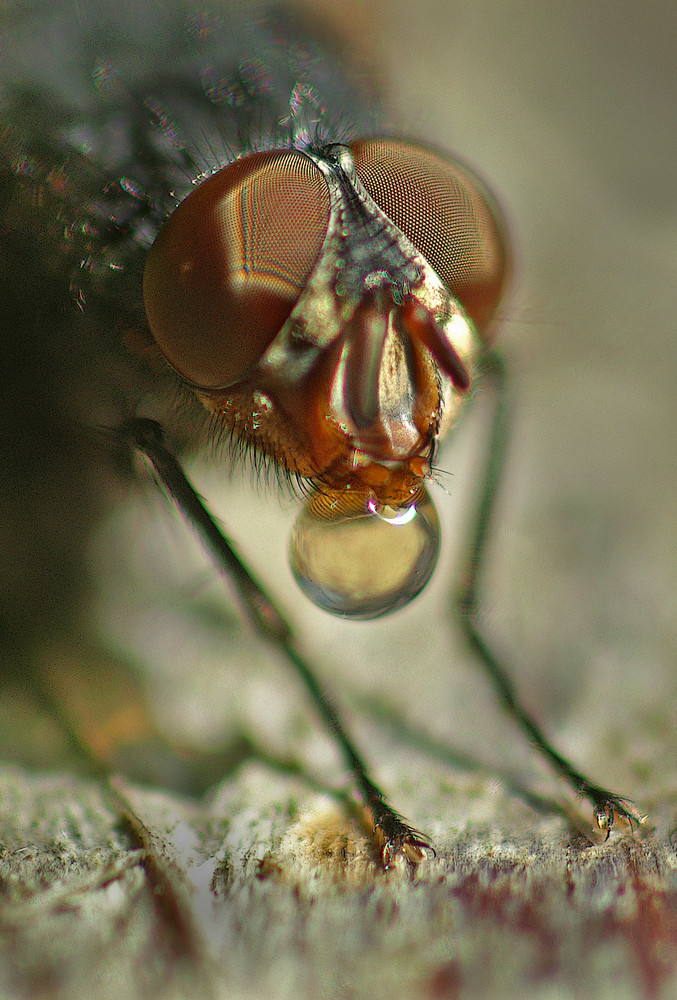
445	212
230	263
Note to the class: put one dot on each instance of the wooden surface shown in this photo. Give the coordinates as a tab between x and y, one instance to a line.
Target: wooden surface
265	890
262	885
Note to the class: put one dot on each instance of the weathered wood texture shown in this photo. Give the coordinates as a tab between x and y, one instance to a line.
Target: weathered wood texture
269	892
264	887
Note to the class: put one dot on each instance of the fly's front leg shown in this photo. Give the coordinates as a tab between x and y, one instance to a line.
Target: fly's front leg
394	839
607	806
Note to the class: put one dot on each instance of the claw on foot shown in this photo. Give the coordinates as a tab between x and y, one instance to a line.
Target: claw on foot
611	809
398	841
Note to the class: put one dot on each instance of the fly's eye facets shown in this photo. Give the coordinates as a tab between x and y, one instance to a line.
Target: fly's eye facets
231	261
445	211
358	560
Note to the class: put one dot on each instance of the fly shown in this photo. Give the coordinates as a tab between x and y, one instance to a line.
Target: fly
323	305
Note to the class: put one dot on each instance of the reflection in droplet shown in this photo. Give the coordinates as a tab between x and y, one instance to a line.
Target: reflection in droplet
359	560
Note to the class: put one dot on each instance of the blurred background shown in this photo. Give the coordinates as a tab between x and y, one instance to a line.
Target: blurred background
568	114
121	650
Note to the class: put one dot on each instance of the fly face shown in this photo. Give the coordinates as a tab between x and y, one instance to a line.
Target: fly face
315	329
325	301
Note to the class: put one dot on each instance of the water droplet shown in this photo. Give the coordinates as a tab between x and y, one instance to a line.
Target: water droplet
358	559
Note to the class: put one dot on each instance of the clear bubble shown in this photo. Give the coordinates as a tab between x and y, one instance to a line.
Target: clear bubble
358	559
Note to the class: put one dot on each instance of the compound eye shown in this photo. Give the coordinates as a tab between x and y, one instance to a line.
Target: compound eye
445	212
231	261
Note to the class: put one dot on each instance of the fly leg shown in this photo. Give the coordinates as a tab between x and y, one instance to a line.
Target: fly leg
607	806
393	837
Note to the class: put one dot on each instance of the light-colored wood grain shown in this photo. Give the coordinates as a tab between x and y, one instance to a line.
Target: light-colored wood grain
265	887
268	891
